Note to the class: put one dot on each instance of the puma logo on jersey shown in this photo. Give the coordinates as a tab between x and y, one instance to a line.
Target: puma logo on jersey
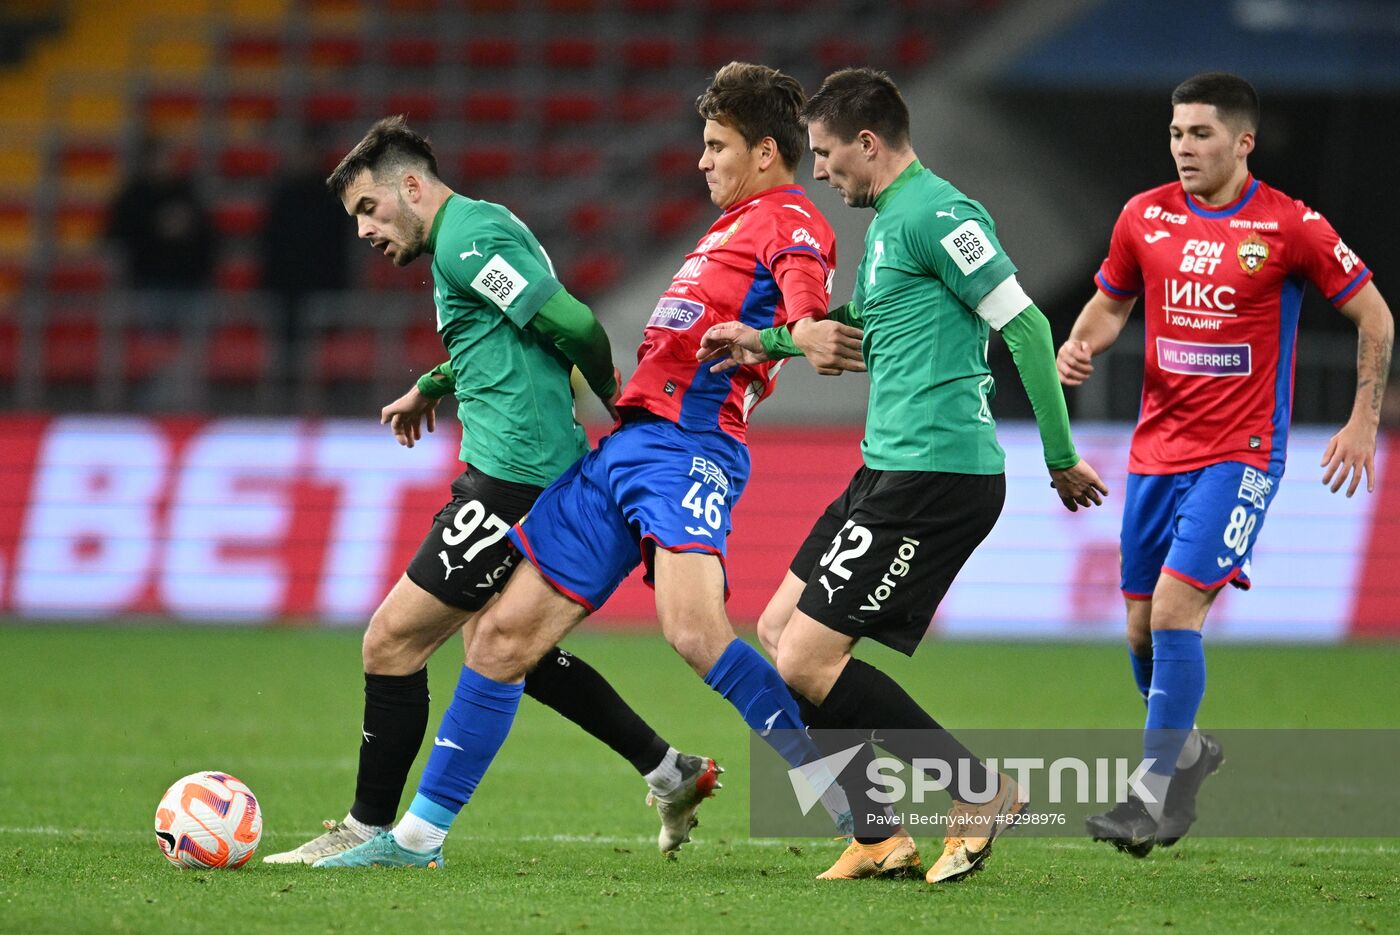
1155	236
830	591
448	565
472	252
946	214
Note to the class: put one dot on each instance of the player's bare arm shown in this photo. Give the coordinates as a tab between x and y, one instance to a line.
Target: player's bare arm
407	415
735	342
1093	333
831	347
1352	451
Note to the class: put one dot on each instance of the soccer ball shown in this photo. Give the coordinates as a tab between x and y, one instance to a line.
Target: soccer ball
208	820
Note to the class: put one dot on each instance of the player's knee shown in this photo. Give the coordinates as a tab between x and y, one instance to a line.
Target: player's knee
799	674
700	645
502	648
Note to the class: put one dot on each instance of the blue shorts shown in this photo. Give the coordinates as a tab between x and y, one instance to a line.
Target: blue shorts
648	484
1199	527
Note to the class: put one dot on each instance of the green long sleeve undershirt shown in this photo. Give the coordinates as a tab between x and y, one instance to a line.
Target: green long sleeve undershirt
1028	337
573	328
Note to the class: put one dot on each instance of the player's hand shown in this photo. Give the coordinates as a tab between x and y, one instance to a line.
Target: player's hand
1074	362
1079	486
831	347
1351	452
405	416
737	342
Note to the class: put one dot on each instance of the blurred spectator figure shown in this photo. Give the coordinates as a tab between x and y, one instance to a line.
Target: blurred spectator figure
164	229
305	245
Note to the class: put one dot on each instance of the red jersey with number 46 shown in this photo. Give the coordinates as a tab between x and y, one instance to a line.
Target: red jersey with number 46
733	274
1222	288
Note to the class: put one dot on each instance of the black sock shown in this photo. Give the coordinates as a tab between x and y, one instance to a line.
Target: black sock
396	716
575	689
866	815
863	697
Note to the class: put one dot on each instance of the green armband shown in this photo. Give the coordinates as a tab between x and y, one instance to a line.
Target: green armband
1028	337
438	382
778	343
848	314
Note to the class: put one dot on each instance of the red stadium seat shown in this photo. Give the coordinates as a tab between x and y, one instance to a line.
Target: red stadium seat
571	108
250	106
334	52
717	49
245	162
841	53
488	162
593	274
914	50
9	350
677	162
171	108
146	352
238	353
412	52
651	6
490	6
571	52
419	107
647	54
238	274
422	346
490	107
556	161
346	355
497	52
78	225
254	52
78	276
590	218
330	106
239	218
641	106
72	350
575	7
673	216
87	160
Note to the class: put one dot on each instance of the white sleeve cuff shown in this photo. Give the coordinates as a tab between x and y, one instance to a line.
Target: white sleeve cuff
1003	303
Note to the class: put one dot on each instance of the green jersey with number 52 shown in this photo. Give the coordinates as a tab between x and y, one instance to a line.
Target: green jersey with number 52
490	277
931	255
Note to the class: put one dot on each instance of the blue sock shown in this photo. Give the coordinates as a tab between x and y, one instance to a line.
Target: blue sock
473	729
754	687
1142	672
1178	685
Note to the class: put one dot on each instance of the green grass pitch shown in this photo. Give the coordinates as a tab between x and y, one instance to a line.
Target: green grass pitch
96	722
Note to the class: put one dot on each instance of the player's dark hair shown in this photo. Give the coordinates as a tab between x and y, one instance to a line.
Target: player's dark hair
855	99
758	102
1234	99
388	149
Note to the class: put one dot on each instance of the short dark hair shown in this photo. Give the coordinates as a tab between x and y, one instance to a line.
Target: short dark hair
1234	99
758	101
855	99
389	147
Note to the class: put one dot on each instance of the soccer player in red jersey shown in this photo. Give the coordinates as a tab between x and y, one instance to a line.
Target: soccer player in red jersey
660	488
1221	260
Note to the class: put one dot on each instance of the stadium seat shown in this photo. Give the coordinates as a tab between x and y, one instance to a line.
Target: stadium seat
914	50
79	275
169	110
237	274
257	53
571	108
492	53
88	162
674	162
334	52
649	54
634	106
487	162
16	228
674	216
838	52
9	350
593	273
590	218
238	353
653	7
571	52
717	49
565	160
412	52
250	106
147	352
248	161
79	225
331	106
72	350
346	355
239	218
574	7
419	107
490	107
485	7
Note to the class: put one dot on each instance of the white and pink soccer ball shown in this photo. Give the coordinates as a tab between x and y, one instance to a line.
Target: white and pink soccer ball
208	820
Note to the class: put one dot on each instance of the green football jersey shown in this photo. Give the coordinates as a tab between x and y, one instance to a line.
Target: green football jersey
490	277
931	255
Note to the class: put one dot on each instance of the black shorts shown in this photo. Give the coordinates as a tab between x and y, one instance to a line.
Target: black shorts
882	556
466	557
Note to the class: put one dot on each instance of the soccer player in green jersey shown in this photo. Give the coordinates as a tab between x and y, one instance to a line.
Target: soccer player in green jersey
513	334
932	284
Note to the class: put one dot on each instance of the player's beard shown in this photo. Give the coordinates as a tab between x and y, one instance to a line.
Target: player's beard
411	227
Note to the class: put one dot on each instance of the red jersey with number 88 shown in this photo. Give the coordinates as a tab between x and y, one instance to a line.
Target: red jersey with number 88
1221	288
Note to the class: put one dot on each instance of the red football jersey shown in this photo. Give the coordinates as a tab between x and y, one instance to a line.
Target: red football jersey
729	276
1222	288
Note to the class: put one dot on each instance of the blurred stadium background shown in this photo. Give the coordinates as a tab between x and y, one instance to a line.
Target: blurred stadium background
191	432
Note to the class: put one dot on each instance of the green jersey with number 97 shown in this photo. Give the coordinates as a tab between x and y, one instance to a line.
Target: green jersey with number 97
490	277
931	256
